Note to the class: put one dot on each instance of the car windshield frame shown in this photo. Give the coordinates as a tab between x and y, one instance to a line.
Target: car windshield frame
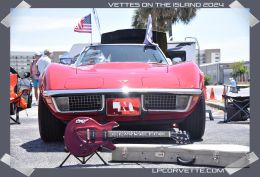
101	54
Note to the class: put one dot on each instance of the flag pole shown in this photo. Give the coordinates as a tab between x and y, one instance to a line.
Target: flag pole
91	38
96	20
91	29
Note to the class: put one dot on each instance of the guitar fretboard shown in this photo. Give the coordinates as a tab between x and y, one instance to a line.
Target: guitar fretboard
138	134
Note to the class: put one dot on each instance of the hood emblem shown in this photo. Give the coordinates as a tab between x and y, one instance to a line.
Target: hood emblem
123	81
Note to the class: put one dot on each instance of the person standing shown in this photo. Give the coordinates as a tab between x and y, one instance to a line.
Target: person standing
35	74
44	61
233	85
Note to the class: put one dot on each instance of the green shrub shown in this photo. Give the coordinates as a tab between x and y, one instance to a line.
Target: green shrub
207	80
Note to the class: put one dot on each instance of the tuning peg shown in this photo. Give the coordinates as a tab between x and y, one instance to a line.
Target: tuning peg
184	132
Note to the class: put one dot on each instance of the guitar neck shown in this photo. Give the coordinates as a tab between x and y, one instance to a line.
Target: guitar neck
138	134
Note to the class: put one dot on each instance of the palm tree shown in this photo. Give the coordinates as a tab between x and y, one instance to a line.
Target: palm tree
238	70
163	18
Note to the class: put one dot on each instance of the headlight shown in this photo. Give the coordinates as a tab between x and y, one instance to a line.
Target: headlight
182	101
62	103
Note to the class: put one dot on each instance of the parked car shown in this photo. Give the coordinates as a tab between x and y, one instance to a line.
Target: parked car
20	92
132	84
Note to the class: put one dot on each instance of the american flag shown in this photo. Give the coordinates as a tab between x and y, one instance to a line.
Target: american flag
84	26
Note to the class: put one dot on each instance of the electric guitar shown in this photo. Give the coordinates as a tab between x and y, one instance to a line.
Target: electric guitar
84	136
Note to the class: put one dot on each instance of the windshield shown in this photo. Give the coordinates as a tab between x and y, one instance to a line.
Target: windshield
121	53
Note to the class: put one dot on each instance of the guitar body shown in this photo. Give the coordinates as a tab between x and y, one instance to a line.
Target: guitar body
84	136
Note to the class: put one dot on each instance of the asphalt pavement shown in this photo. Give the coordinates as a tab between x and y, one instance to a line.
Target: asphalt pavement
29	151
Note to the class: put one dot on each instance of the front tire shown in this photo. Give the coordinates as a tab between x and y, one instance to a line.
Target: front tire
194	124
51	129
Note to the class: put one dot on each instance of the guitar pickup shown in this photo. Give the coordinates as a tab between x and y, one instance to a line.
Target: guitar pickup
92	134
105	134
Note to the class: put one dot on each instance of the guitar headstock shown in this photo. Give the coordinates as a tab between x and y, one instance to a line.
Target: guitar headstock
180	137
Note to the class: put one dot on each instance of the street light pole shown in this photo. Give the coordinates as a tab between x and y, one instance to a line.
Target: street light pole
198	48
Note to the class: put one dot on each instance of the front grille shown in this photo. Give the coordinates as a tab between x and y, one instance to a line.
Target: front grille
159	101
85	102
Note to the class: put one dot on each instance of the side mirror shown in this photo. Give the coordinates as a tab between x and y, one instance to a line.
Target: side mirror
169	61
176	60
26	75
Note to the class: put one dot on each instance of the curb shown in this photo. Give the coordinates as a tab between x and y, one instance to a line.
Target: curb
215	105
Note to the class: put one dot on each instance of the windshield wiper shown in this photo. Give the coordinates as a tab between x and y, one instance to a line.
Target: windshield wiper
86	64
155	62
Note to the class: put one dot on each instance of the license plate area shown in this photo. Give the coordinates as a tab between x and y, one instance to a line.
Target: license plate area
123	106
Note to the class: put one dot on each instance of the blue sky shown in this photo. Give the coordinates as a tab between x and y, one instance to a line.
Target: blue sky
37	29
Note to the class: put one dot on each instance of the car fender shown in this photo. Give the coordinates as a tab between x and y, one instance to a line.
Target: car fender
189	75
55	76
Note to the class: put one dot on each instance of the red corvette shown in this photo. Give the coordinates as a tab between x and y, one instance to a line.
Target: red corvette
132	84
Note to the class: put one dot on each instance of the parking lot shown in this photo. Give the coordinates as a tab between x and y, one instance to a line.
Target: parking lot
29	151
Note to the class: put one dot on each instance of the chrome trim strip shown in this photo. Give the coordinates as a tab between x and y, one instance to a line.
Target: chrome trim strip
159	110
58	110
124	90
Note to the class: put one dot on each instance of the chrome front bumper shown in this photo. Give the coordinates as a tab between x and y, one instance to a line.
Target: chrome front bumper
123	90
54	93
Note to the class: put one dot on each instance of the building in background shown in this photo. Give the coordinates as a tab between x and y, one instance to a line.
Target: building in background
209	56
56	56
21	61
220	73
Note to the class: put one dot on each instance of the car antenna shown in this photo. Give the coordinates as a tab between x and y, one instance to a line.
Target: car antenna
156	29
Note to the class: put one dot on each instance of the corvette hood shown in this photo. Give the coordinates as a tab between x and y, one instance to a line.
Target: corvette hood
116	75
122	68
